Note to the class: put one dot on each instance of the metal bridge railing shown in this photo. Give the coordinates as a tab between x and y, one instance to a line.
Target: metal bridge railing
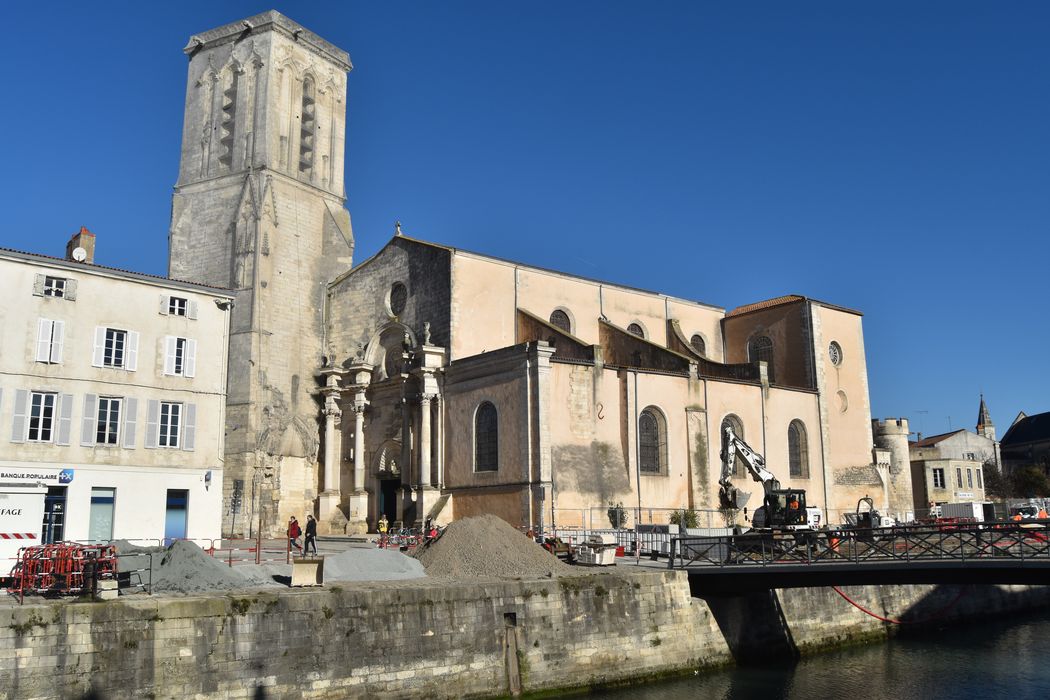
958	542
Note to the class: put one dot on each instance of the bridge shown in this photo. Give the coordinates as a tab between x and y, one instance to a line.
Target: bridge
994	552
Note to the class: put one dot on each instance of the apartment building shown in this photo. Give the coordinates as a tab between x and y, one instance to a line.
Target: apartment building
112	394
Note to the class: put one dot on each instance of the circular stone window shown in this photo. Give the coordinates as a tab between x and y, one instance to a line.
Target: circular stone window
398	298
636	329
835	353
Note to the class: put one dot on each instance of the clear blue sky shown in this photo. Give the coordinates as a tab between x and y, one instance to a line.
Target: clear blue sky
889	156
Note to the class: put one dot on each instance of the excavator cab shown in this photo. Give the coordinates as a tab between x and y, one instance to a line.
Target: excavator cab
783	508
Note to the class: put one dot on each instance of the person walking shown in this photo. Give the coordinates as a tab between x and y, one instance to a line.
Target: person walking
293	533
311	534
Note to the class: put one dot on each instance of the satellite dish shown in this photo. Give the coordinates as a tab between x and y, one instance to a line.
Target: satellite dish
79	254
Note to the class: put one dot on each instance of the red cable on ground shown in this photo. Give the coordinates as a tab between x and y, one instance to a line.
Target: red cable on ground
860	607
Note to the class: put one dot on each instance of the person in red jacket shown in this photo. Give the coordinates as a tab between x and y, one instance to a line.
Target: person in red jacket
293	533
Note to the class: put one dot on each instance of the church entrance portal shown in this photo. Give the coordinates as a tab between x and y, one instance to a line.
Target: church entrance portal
388	489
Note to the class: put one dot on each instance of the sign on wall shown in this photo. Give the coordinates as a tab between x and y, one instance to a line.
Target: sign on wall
57	477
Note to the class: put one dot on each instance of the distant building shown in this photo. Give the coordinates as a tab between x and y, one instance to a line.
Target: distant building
949	468
1027	442
112	393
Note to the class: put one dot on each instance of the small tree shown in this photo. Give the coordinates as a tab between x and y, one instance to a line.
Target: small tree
685	518
617	516
996	483
1031	482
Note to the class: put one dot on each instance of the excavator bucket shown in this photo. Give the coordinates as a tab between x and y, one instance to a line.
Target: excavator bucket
730	498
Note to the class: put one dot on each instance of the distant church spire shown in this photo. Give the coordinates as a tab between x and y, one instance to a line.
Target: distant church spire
985	426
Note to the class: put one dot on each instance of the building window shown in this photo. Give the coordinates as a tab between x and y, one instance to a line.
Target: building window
398	298
180	356
228	123
760	349
969	478
636	329
938	478
979	484
835	353
798	450
652	442
49	341
560	319
486	438
177	306
958	477
41	416
54	286
170	417
113	356
116	348
697	341
737	425
308	124
108	422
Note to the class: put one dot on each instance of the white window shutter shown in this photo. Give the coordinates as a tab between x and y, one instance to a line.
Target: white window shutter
191	309
57	338
98	354
131	409
169	355
189	362
38	286
152	423
89	423
65	419
70	292
163	304
43	339
131	352
18	425
189	427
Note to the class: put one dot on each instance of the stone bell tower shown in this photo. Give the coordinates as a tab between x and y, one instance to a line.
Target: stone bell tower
259	208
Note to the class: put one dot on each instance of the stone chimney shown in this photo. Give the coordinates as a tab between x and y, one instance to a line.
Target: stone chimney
82	239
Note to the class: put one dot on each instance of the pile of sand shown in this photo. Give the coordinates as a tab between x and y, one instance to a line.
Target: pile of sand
487	547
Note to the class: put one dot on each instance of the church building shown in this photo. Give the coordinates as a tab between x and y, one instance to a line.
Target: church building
429	381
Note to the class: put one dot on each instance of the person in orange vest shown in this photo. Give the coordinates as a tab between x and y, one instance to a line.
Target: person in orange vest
1042	514
1016	517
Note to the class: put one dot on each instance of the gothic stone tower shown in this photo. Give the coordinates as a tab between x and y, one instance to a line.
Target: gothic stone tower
259	208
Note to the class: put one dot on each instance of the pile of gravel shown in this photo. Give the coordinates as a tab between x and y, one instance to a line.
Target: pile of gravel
371	564
487	547
186	568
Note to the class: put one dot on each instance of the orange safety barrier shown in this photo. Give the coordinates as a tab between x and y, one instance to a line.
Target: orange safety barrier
59	567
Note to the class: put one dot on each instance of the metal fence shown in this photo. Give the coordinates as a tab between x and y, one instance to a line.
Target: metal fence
956	542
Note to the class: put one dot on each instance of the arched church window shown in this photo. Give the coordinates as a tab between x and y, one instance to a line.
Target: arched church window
760	349
392	361
636	329
652	442
737	425
227	127
486	438
697	341
560	319
798	450
307	126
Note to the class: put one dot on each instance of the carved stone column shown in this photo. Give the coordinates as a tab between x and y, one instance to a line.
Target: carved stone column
358	499
431	360
331	519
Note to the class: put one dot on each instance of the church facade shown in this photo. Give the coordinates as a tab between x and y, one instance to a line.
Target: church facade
434	382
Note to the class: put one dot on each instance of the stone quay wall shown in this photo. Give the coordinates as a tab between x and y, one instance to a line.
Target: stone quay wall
442	640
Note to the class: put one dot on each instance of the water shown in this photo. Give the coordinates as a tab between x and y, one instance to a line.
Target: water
1007	658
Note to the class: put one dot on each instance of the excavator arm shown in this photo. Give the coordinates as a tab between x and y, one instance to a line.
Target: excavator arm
733	448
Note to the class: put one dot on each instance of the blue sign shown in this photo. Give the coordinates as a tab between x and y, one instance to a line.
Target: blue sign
65	476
